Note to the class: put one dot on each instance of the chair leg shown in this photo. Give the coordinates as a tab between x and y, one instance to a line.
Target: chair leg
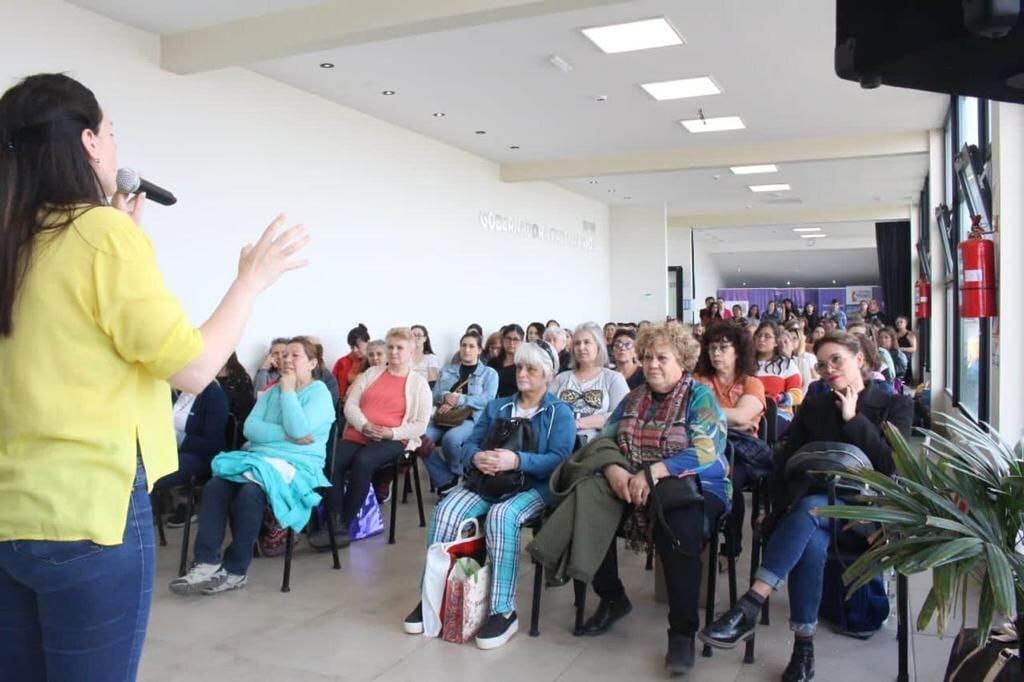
580	589
286	580
649	566
709	605
329	518
158	516
538	586
187	530
732	577
394	507
415	469
407	484
902	627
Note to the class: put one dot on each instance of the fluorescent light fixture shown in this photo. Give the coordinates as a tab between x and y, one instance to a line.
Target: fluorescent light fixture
681	89
714	125
635	35
781	187
807	229
813	236
752	170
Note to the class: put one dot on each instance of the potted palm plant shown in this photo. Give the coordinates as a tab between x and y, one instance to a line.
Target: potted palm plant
955	507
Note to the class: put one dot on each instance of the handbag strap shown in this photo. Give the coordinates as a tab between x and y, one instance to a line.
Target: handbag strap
659	511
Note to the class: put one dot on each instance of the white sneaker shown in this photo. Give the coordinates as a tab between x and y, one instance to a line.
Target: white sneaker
198	578
231	582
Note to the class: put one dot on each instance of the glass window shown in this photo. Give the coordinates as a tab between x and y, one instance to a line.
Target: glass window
970	365
949	338
970	123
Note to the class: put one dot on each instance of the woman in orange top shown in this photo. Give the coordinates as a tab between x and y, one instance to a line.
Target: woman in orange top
727	365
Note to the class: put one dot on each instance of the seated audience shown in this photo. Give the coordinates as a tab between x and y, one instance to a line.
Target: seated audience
888	341
624	357
534	332
737	313
474	328
810	317
321	373
885	364
492	348
268	372
609	333
424	362
590	389
754	313
387	411
287	433
376	354
705	312
512	336
237	384
837	315
726	313
559	341
350	366
817	333
468	385
772	312
779	374
907	341
805	360
551	422
669	427
852	412
552	323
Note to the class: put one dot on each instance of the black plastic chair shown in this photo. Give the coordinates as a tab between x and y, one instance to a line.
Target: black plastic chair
406	463
535	524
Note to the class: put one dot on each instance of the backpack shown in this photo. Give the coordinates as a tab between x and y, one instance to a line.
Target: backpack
860	616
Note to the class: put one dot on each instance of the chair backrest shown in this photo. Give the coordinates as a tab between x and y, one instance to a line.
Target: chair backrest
232	437
771	415
332	440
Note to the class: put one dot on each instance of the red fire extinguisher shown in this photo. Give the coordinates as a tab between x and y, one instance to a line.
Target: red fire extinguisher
922	303
977	274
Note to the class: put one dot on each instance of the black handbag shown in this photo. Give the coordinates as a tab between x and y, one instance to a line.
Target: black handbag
672	493
505	434
996	659
803	469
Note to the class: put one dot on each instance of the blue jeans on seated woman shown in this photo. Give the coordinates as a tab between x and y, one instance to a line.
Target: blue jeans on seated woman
76	611
797	549
242	504
445	462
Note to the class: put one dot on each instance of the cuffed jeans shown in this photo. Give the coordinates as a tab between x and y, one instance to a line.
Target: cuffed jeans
242	504
445	462
682	569
797	549
77	611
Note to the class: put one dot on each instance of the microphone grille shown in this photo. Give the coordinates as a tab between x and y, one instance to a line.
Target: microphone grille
127	180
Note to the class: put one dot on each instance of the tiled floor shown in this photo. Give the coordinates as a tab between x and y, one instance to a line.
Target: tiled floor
346	625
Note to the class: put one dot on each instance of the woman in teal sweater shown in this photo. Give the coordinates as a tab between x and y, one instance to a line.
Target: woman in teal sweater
283	465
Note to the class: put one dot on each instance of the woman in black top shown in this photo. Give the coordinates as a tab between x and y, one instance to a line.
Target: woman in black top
624	358
236	383
512	336
851	412
907	341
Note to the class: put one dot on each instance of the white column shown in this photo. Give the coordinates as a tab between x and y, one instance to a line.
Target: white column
915	272
639	262
937	348
1008	329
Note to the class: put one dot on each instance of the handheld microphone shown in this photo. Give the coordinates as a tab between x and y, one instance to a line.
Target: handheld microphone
130	182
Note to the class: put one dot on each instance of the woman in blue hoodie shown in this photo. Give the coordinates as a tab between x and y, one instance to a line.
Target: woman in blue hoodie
287	432
554	428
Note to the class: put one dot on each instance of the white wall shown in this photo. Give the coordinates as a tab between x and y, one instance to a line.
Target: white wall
941	401
639	270
705	272
395	216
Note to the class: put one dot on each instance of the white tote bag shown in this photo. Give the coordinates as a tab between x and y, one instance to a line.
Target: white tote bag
441	558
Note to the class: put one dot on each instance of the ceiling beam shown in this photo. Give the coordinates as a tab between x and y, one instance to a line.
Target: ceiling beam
794	216
340	23
815	149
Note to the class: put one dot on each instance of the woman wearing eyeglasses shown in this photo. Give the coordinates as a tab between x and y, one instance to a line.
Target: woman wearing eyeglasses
624	358
851	412
504	364
591	389
424	361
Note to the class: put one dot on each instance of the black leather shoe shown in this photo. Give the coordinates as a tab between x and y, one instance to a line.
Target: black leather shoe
801	665
608	611
729	629
681	652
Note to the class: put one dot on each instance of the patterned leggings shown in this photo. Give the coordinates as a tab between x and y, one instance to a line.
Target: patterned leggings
504	521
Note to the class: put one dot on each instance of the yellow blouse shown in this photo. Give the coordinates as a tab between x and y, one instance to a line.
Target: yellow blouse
83	376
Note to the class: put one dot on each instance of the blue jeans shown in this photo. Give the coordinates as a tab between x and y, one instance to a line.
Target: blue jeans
445	462
77	611
242	504
797	548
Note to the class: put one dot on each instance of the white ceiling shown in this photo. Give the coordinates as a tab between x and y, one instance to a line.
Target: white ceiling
809	268
186	15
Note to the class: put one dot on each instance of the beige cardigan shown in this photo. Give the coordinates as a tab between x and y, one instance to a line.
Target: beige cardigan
418	403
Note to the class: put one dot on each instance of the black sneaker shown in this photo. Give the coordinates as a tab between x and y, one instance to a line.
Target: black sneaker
447	488
177	517
413	624
497	630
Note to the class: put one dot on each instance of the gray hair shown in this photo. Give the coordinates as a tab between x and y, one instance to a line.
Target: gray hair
594	330
532	355
551	333
375	343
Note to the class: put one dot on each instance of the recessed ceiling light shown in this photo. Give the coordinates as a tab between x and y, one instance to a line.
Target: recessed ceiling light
601	98
326	65
611	191
387	93
751	170
634	35
439	114
481	132
781	187
681	89
744	284
788	282
833	281
714	125
514	147
592	182
813	236
807	229
627	198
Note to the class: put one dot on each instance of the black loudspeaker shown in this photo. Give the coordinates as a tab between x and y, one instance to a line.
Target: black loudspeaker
962	47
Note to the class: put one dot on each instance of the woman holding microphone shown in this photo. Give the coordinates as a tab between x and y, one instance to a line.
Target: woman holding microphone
90	338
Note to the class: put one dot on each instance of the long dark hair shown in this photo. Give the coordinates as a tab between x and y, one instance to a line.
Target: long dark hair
42	163
233	368
717	332
427	350
499	362
357	334
778	359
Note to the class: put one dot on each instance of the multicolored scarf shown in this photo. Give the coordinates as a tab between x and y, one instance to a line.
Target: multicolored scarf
645	438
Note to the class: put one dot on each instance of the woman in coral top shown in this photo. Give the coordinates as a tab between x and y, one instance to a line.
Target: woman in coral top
387	410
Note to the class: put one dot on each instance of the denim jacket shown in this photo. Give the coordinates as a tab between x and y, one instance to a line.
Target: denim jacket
483	387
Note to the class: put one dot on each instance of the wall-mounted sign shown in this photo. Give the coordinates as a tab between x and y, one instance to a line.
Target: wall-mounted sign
583	238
